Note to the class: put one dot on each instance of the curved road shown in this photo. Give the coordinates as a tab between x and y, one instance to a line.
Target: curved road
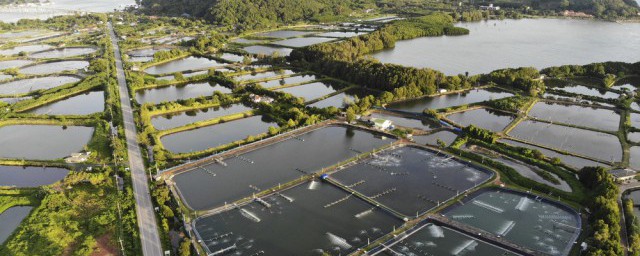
147	224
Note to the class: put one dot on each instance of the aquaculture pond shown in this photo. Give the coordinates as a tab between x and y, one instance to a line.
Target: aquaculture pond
279	224
216	135
411	180
635	106
263	75
173	120
310	91
635	120
524	219
246	41
83	104
184	64
62	7
34	84
63	52
570	139
432	139
343	99
483	118
55	67
288	81
42	142
214	184
10	220
432	239
178	92
531	173
634	161
589	91
25	48
597	118
285	33
634	136
233	58
14	63
267	50
27	176
303	41
422	124
519	43
449	100
575	162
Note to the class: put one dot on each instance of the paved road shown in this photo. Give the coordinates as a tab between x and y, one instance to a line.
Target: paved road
147	224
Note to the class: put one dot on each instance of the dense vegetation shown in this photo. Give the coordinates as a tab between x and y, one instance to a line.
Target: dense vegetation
633	226
524	79
609	72
604	238
256	14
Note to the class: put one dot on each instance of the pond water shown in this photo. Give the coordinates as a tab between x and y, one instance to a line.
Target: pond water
575	162
570	139
267	50
339	34
178	92
233	58
635	106
262	75
602	119
277	163
25	48
531	172
63	52
449	100
288	81
302	41
173	120
422	124
635	120
519	43
431	239
13	100
246	41
589	91
42	142
520	218
285	33
5	77
61	7
27	176
189	63
14	63
634	136
411	180
83	104
55	67
483	118
10	220
343	99
35	84
432	139
309	91
285	229
634	161
216	135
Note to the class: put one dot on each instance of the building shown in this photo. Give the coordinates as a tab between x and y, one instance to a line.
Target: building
381	124
490	7
623	175
257	99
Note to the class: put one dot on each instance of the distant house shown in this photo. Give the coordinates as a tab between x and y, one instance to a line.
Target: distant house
623	175
489	7
257	99
381	124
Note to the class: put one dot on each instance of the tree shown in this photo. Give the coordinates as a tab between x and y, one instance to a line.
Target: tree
350	115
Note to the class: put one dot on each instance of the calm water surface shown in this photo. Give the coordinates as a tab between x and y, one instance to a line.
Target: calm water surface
27	176
449	100
42	142
173	120
10	220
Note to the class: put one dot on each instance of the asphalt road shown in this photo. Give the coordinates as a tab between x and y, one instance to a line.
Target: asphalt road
147	224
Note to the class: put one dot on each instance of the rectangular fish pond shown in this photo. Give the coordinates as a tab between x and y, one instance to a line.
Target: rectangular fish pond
311	91
308	219
526	220
570	139
29	176
42	142
433	239
449	100
411	180
173	120
484	118
211	185
597	118
178	92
